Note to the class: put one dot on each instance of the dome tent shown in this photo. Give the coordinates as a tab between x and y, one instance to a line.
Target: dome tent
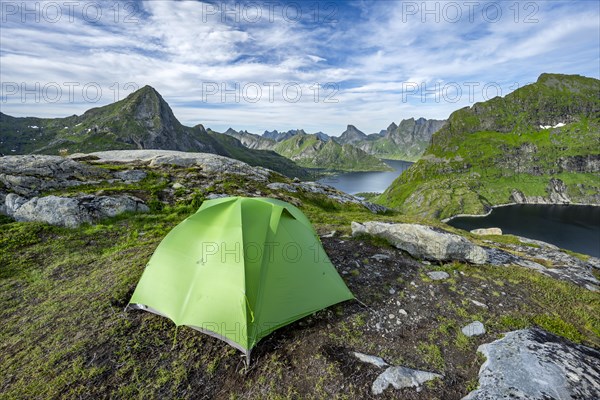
238	269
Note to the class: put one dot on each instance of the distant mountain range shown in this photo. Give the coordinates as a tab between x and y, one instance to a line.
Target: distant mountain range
143	120
406	141
311	150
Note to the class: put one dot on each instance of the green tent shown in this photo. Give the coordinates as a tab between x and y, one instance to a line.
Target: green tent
238	269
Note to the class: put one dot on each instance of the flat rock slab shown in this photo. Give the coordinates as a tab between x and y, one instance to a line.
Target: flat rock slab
532	364
424	242
475	328
438	275
487	231
211	163
401	377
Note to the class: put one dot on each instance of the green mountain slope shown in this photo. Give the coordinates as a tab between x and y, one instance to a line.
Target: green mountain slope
233	148
311	152
143	120
539	144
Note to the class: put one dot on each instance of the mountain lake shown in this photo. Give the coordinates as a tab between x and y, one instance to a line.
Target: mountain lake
571	227
357	182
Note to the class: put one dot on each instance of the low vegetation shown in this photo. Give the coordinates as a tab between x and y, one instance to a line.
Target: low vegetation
65	333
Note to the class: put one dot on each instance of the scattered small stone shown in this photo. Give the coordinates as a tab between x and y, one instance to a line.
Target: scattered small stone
392	291
380	257
330	234
475	328
391	316
438	275
425	262
403	311
413	283
487	231
479	304
177	185
373	360
401	377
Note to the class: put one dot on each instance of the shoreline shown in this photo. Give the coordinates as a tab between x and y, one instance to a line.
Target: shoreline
446	220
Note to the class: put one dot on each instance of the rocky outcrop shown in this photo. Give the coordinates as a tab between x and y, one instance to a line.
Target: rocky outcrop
424	242
533	364
30	175
70	211
209	163
547	259
557	194
328	191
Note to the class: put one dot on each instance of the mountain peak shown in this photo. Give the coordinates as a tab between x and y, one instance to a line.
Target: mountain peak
352	135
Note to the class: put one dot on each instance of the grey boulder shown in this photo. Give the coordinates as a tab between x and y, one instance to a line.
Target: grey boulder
401	377
70	211
424	242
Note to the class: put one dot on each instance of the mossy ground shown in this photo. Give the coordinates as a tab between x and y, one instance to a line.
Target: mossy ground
65	333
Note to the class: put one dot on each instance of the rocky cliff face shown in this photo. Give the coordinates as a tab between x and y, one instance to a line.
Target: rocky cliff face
538	144
406	141
251	140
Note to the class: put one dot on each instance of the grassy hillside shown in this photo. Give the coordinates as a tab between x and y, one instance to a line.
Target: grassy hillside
311	152
488	151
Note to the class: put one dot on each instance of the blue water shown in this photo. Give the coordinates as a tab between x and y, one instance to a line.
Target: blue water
576	228
356	182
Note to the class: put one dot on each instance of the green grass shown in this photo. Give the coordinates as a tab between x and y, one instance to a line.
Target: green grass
432	356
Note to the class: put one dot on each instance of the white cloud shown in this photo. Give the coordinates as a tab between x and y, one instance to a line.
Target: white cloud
373	53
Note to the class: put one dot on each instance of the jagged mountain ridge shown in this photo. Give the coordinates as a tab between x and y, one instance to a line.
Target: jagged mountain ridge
281	136
406	141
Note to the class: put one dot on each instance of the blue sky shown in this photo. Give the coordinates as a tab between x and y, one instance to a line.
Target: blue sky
316	65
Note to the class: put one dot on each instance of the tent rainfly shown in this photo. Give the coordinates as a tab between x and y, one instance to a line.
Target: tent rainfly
238	269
